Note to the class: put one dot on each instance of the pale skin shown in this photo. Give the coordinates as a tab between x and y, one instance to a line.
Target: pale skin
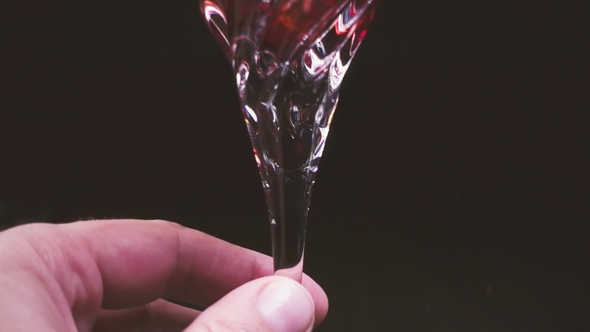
111	275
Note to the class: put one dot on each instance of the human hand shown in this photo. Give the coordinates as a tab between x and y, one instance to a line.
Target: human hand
111	275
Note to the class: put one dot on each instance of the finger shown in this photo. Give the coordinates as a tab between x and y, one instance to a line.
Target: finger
141	261
271	304
159	315
71	270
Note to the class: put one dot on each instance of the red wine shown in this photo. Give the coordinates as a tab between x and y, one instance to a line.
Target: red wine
278	26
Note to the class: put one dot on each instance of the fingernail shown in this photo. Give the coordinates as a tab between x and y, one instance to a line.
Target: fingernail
286	306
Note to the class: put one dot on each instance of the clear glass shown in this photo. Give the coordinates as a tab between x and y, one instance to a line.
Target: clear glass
289	58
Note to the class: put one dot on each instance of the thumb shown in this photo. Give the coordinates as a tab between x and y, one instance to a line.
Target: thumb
269	304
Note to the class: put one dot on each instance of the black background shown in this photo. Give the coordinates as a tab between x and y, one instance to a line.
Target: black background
454	186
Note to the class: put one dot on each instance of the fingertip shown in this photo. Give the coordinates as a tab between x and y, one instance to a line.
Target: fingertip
286	306
269	304
319	297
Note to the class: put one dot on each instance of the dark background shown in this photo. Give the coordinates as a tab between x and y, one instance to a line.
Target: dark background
454	187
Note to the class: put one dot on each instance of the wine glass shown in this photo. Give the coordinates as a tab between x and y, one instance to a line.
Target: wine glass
289	58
